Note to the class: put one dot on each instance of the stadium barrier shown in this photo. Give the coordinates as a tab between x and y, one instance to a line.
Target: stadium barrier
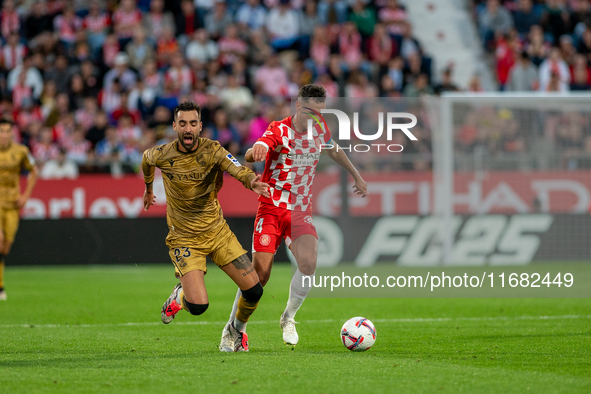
506	218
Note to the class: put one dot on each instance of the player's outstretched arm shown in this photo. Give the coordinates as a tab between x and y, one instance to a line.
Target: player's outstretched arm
248	156
31	181
258	152
341	159
260	188
148	169
149	197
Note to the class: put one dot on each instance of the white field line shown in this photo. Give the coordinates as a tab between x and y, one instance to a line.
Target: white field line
256	322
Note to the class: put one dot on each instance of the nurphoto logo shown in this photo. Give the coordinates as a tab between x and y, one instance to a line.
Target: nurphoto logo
344	131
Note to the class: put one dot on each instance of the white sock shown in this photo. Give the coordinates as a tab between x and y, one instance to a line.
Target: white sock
240	325
297	293
234	310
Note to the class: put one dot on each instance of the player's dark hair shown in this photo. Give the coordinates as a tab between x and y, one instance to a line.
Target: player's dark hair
312	92
6	121
187	106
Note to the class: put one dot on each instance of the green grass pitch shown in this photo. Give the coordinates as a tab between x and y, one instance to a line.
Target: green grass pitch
98	329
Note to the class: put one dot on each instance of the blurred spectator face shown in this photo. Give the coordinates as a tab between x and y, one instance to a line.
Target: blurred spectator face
580	61
125	121
87	69
61	62
221	118
46	136
94	8
8	5
396	64
232	32
232	82
62	102
525	6
555	55
139	36
111	134
310	7
162	115
90	104
167	34
128	5
187	7
253	3
219	9
61	156
38	8
50	89
379	30
200	36
150	67
177	60
13	39
492	6
77	84
156	6
100	119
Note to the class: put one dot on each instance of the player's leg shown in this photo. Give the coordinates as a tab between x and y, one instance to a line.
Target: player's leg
190	294
2	248
263	262
9	220
265	241
242	272
305	250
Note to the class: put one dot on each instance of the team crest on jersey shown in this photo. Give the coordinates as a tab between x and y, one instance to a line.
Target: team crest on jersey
233	160
265	240
308	219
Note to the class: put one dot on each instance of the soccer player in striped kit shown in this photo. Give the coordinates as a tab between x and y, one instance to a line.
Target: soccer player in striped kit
290	165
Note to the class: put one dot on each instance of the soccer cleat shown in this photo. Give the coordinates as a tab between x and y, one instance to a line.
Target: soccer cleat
171	307
2	295
227	342
240	339
290	335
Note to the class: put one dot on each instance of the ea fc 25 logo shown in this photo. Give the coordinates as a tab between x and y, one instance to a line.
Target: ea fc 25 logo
265	240
345	129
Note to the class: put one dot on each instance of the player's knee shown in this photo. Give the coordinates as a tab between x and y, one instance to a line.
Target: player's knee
264	276
253	294
196	309
307	266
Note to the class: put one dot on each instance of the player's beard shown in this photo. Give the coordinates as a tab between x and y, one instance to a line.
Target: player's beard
188	145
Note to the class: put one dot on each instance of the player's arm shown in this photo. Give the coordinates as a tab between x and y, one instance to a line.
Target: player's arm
31	181
339	157
148	168
28	164
246	176
270	140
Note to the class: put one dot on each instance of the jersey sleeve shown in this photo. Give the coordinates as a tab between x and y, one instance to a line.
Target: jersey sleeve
271	138
28	161
232	166
149	163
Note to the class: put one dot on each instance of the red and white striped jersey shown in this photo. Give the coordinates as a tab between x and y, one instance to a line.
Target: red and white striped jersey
97	24
13	56
10	22
291	163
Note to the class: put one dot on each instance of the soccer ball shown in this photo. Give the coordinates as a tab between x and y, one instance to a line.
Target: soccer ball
358	334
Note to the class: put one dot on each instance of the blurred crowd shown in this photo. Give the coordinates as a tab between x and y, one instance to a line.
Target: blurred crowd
542	45
95	82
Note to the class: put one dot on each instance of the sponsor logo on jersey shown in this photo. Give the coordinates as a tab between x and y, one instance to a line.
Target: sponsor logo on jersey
233	160
265	240
308	219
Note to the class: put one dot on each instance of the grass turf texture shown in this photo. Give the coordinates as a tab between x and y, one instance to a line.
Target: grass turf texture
94	349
